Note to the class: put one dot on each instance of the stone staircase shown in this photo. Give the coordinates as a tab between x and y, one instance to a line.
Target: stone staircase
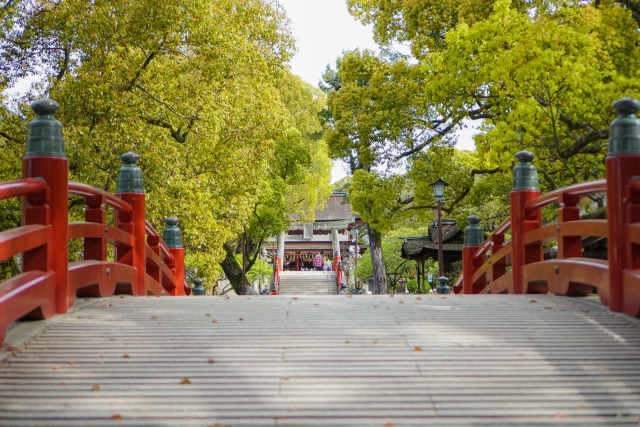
307	283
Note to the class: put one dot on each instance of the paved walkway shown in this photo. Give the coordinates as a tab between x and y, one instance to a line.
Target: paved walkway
325	361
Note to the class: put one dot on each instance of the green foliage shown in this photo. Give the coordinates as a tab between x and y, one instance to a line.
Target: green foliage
539	75
397	268
298	178
260	271
228	138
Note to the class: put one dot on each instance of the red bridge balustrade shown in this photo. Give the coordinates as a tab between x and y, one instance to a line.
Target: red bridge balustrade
143	262
517	266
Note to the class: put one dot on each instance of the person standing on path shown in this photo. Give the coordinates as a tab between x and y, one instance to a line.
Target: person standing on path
318	261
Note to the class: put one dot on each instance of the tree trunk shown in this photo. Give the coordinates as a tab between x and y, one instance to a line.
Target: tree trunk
232	269
380	285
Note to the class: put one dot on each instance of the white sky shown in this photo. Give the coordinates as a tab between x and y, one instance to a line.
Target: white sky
323	29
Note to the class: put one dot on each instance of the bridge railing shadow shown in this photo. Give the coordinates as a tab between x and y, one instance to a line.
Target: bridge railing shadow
518	266
142	262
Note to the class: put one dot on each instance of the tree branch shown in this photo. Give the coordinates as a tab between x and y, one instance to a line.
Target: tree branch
65	64
10	138
159	101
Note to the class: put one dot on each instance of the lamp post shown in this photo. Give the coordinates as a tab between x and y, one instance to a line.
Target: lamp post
438	192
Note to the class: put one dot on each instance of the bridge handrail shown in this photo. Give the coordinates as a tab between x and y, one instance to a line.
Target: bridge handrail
168	256
84	190
50	282
21	187
500	230
579	189
617	278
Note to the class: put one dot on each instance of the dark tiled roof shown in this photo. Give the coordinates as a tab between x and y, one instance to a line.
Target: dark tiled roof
452	241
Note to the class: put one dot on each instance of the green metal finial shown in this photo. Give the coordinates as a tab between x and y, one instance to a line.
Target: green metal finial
473	234
525	175
443	288
172	235
624	134
45	132
130	176
198	289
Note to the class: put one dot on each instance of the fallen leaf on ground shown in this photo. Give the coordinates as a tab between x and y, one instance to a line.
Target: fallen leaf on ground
95	387
417	349
214	321
56	368
559	415
418	299
116	417
154	317
185	381
212	361
126	356
208	314
241	319
389	425
401	302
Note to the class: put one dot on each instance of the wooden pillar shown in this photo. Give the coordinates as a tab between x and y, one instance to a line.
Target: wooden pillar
46	158
130	189
622	163
525	187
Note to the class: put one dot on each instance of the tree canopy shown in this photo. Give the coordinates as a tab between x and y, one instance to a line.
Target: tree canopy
199	89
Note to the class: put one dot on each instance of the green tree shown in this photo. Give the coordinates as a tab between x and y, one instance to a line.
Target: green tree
192	86
381	122
298	178
539	75
397	269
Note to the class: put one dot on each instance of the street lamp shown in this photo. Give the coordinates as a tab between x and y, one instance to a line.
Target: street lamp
438	192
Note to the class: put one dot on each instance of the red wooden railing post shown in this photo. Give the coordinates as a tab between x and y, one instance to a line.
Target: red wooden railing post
38	211
525	187
46	158
131	190
569	246
95	248
473	239
172	237
622	163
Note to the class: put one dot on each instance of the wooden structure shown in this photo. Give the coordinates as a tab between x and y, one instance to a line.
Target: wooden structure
143	263
325	361
330	233
422	248
616	280
397	360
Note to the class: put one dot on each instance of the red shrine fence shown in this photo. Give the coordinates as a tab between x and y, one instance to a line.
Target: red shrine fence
142	263
496	265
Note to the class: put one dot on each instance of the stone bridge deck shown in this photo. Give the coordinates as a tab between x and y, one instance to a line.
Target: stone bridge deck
324	361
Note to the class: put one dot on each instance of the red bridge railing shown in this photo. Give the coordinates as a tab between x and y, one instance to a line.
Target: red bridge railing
518	266
142	263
